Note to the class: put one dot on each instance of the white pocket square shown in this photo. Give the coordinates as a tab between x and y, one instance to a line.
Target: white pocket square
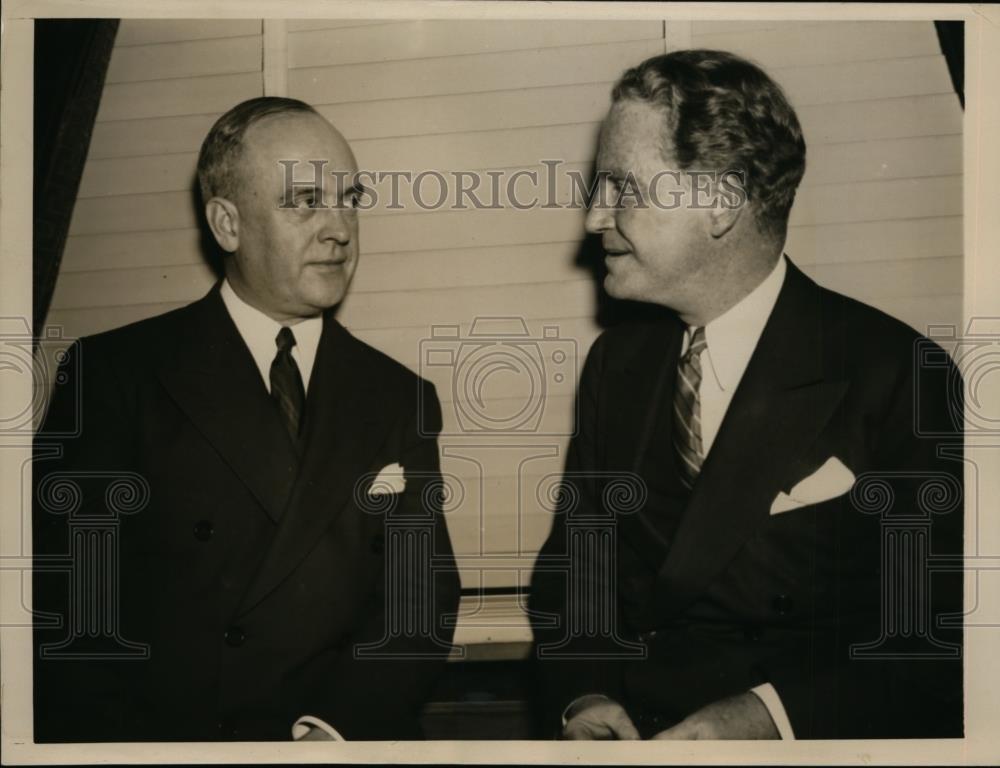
829	481
390	479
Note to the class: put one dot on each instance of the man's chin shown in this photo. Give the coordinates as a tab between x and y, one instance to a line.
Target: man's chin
329	295
615	287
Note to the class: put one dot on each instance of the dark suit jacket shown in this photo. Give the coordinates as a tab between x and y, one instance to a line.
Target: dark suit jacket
252	575
716	595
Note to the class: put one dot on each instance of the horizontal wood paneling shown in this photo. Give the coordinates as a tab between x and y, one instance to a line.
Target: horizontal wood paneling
892	118
189	58
128	250
146	137
477	73
134	213
148	31
458	113
922	156
752	27
860	81
308	25
875	240
842	43
932	196
427	39
182	96
574	298
115	177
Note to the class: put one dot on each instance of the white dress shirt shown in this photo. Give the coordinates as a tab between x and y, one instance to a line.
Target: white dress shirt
730	340
260	331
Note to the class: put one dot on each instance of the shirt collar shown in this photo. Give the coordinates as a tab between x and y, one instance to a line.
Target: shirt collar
259	332
732	337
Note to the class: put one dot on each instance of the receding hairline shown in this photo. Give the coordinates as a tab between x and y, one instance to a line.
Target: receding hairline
242	170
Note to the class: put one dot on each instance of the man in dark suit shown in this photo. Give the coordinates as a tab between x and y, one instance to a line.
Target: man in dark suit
751	498
271	560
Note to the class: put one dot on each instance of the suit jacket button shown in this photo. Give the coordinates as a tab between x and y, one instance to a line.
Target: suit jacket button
235	637
751	633
378	544
203	530
782	605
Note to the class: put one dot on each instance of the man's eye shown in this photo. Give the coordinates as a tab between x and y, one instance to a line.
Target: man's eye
308	201
357	199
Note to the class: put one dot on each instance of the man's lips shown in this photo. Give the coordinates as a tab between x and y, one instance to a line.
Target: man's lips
612	254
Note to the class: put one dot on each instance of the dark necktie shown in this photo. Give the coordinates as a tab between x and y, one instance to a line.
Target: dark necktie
286	384
687	410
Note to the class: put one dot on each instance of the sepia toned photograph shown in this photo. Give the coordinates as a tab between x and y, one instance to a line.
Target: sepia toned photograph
477	382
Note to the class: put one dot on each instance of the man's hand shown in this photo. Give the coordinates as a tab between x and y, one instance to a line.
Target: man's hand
599	717
739	717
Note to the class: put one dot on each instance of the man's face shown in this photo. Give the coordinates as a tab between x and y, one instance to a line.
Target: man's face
293	263
655	242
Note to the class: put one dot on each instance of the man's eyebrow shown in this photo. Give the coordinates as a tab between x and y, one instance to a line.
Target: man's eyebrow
300	190
356	189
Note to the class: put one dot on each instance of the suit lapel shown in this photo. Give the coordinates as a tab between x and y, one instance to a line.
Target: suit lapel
211	375
348	416
780	406
636	393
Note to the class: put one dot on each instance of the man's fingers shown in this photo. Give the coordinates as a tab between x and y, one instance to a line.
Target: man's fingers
581	727
575	731
603	721
623	727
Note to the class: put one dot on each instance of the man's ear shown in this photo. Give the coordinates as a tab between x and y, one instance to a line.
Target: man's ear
724	215
224	220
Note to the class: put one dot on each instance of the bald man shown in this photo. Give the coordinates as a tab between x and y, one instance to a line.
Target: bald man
279	454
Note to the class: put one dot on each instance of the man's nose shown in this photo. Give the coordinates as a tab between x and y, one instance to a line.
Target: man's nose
337	225
600	218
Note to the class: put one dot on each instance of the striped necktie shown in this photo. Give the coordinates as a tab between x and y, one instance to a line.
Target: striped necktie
687	410
287	389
